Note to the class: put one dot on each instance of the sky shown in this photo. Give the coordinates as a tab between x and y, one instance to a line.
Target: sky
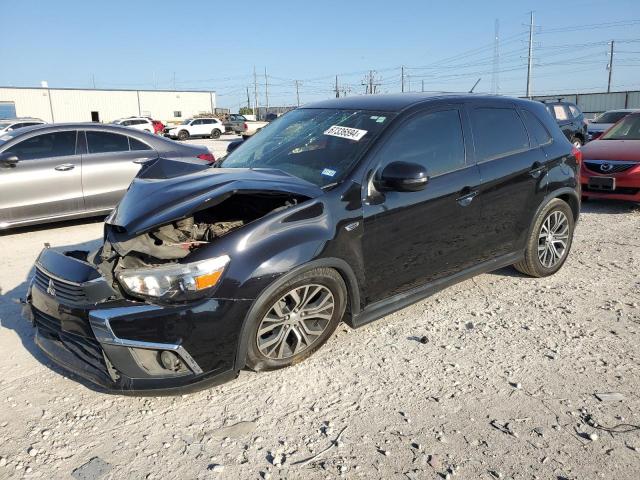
207	45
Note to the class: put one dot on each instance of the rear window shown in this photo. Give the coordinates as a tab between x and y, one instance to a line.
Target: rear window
560	112
138	145
497	132
538	133
610	117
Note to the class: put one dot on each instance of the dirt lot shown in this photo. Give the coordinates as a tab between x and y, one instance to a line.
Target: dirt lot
503	387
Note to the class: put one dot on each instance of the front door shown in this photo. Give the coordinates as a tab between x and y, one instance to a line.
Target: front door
46	181
412	238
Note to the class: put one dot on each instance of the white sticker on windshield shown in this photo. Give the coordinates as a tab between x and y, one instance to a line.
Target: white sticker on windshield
328	172
345	132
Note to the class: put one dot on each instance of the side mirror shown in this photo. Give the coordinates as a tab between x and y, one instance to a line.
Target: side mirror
8	159
402	177
233	145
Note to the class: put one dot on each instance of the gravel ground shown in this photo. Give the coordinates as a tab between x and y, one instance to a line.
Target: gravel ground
502	387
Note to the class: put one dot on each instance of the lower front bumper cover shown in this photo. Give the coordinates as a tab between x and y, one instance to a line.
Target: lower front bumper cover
117	344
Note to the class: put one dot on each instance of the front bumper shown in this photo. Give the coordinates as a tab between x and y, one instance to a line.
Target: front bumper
627	185
117	344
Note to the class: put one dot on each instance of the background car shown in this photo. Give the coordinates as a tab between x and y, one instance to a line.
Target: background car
158	127
604	121
611	164
139	123
56	172
570	120
234	123
7	126
196	127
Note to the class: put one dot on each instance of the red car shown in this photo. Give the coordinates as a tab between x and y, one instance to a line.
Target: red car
158	127
611	164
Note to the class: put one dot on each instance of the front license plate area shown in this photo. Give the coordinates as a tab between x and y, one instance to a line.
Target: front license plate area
602	183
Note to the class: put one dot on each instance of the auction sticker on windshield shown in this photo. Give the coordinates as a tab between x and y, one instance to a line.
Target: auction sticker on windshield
345	132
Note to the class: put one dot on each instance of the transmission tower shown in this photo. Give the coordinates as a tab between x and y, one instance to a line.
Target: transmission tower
495	76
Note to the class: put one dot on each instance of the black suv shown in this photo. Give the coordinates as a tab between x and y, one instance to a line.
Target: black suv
344	210
571	121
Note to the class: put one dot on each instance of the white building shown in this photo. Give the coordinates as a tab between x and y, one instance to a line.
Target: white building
98	105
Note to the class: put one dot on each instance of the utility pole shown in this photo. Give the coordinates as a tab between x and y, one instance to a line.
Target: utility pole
610	67
495	77
298	92
174	81
423	85
248	99
530	63
266	88
93	80
336	89
402	79
370	83
255	92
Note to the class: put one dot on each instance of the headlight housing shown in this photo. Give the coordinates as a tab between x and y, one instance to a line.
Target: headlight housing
174	282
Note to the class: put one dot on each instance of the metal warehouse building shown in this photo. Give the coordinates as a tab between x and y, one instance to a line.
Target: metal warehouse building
98	105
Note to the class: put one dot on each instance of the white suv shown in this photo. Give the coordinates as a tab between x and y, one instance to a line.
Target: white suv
11	124
196	127
139	123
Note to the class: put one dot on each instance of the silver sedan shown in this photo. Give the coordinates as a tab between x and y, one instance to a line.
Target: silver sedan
57	172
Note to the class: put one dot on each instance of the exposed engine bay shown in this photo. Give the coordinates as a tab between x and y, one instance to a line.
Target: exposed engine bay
176	240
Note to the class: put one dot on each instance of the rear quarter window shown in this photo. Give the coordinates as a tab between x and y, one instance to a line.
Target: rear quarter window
538	133
497	132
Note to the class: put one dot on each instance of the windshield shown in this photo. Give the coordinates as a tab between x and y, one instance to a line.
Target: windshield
317	145
186	122
610	117
627	129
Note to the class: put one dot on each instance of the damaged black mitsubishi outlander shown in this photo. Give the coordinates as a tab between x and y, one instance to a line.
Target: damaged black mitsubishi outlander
344	210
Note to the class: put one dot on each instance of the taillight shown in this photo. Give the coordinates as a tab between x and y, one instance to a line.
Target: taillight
576	152
207	157
245	127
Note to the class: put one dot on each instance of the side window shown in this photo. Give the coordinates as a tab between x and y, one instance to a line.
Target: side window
434	140
177	113
104	142
58	144
138	145
537	131
196	122
16	126
497	132
575	111
560	112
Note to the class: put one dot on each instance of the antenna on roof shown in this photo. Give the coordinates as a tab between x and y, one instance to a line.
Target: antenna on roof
475	85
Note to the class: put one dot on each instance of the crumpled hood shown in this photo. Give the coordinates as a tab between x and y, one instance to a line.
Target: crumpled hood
151	202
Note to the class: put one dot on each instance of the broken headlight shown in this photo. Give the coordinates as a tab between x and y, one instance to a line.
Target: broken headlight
177	281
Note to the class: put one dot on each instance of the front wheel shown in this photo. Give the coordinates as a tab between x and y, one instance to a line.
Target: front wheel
183	134
215	134
296	320
549	241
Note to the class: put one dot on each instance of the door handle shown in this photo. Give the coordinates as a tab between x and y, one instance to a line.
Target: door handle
141	160
536	169
64	167
466	199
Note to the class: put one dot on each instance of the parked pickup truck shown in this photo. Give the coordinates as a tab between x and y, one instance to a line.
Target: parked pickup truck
234	123
250	127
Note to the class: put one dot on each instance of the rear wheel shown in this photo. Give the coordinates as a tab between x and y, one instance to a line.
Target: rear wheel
183	134
550	240
215	134
296	320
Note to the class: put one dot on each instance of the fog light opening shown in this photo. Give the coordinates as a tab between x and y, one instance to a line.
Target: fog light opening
170	361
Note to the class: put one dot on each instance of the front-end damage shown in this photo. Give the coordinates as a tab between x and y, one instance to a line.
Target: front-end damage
156	323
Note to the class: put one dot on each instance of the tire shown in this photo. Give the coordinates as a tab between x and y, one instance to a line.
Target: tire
577	142
535	262
215	134
266	351
183	135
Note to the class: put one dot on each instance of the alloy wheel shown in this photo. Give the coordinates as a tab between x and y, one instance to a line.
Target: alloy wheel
295	322
553	239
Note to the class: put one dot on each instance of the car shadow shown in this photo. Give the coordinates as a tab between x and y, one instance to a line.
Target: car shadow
53	225
609	207
11	317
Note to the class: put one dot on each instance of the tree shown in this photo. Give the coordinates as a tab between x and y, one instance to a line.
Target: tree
246	111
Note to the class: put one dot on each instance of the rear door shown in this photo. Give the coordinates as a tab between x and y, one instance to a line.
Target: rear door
109	163
46	182
512	172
